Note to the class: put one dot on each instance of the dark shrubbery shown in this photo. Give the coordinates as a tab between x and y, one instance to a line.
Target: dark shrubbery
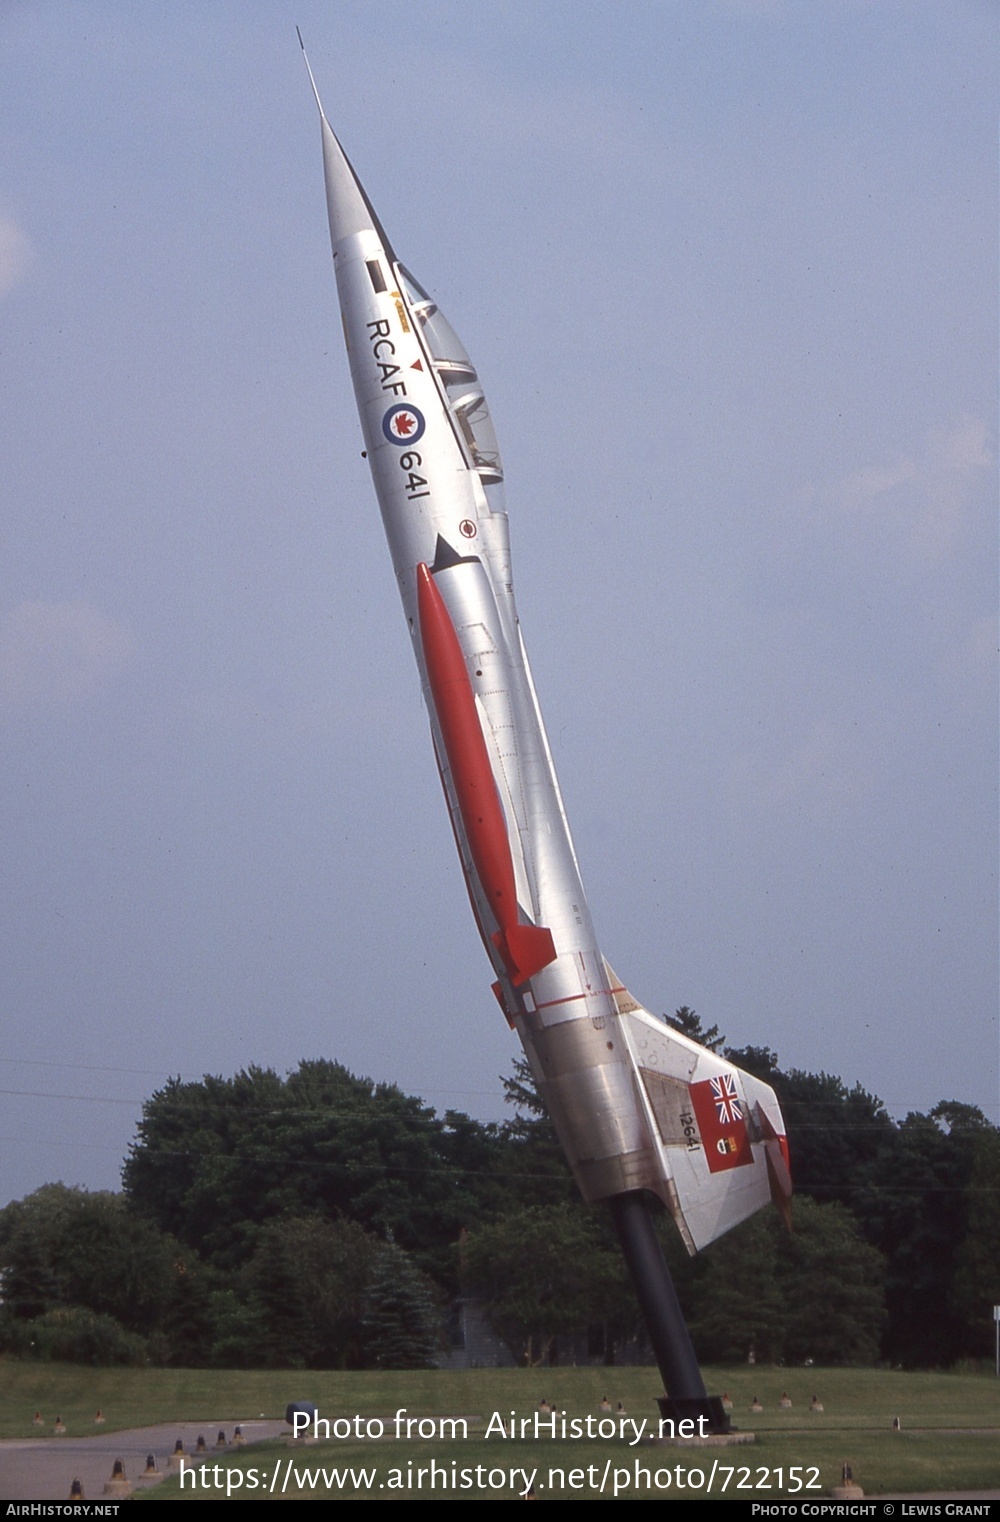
315	1221
73	1334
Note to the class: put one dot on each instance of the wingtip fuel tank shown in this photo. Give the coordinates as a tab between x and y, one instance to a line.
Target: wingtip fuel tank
637	1106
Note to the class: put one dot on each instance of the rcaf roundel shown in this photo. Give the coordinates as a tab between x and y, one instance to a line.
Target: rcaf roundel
719	1114
403	424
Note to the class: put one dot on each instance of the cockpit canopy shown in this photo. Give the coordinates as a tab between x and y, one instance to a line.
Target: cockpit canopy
460	381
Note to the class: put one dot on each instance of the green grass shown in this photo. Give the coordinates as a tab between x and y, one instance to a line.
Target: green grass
948	1441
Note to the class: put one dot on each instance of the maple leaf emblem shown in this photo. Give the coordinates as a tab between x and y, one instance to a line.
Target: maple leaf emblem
404	423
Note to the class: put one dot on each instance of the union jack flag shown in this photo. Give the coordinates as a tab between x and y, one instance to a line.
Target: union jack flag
727	1104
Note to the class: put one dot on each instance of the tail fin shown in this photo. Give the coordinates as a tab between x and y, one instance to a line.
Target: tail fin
719	1131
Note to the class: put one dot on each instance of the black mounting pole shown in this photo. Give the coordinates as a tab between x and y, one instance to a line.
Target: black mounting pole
685	1396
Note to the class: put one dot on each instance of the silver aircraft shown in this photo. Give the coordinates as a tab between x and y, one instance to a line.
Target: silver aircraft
637	1106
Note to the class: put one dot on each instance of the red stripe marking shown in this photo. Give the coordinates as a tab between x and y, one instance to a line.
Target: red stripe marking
572	998
524	948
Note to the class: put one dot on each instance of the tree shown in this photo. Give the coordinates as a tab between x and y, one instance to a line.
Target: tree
237	1331
841	1140
484	1161
758	1060
975	1284
307	1284
214	1161
63	1247
937	1223
534	1164
521	1092
731	1298
832	1286
74	1334
188	1329
254	1204
688	1022
815	1293
402	1326
547	1272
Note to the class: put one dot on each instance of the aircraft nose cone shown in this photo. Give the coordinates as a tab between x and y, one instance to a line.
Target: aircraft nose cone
344	201
347	206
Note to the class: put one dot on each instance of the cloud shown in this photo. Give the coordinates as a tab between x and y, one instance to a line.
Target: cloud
58	652
925	499
15	254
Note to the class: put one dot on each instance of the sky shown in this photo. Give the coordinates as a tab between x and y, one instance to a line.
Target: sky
728	271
